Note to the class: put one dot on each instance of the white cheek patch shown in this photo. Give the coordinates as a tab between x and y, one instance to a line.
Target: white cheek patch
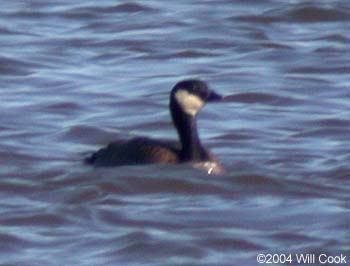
189	103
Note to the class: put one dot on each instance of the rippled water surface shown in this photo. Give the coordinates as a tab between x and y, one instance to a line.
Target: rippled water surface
76	75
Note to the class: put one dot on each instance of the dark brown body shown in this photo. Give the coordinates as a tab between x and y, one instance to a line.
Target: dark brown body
140	151
137	151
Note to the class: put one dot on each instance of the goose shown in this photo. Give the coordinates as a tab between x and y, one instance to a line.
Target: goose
187	98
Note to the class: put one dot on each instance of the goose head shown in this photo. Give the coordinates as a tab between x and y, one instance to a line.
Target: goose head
189	96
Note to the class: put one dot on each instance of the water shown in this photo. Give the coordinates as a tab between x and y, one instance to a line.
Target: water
75	75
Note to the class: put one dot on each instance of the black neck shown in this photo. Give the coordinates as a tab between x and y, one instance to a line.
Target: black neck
185	124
